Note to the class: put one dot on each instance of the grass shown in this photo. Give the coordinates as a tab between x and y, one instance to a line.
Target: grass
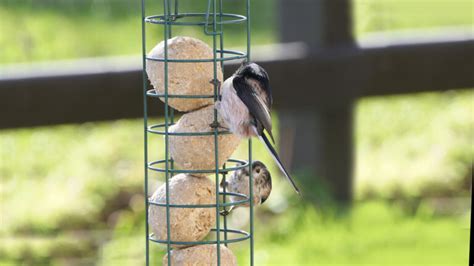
88	179
372	233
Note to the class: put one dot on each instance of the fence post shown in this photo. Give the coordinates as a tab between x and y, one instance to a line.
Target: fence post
317	141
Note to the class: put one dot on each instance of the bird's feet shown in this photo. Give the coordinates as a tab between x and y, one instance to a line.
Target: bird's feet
224	212
217	125
217	84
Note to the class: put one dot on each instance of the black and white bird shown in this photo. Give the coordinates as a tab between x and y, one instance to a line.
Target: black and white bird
245	105
238	182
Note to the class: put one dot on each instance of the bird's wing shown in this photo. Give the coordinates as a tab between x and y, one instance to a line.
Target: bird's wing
256	101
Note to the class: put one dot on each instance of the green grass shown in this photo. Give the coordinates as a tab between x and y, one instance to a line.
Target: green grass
373	233
58	182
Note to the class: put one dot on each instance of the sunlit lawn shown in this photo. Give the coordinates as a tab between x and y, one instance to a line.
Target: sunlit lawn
59	181
373	233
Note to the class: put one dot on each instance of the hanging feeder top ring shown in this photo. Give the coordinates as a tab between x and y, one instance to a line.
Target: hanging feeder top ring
189	19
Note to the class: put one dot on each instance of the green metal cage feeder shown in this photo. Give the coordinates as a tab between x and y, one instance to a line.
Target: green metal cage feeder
212	24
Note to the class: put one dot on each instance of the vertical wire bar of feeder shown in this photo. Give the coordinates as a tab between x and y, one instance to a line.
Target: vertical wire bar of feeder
251	201
168	226
250	149
171	110
221	48
145	135
216	129
169	26
221	35
176	4
248	29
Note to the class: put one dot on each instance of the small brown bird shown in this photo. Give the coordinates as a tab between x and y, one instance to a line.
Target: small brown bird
238	182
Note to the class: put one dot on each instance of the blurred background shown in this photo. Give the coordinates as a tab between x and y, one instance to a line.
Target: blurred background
71	187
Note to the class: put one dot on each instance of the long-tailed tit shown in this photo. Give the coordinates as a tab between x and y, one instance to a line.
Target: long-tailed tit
245	105
238	182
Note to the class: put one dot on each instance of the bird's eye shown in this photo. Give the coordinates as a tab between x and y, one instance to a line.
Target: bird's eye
257	170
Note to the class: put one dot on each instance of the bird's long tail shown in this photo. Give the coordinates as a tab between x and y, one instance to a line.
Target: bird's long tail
274	154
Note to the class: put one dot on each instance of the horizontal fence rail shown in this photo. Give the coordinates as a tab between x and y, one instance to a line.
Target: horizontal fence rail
106	89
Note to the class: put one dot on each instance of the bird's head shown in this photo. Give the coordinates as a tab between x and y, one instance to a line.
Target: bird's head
250	70
253	70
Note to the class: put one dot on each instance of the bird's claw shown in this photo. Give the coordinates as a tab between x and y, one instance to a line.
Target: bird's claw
216	82
224	212
217	125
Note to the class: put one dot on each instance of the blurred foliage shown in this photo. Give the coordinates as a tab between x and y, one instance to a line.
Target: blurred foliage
388	15
417	145
71	194
62	29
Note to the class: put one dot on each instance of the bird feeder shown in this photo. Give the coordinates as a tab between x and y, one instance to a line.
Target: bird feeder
185	74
